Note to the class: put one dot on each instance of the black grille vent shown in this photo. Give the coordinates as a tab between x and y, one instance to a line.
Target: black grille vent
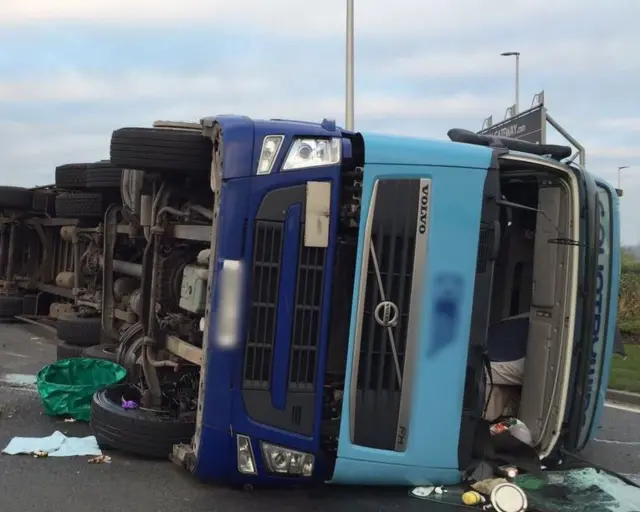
306	321
483	250
267	256
395	257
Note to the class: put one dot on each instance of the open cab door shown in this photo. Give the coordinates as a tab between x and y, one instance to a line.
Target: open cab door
597	319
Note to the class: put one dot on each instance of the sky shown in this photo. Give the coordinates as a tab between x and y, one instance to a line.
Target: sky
72	71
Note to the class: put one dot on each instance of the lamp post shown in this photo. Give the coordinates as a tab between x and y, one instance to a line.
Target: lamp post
517	56
349	98
620	168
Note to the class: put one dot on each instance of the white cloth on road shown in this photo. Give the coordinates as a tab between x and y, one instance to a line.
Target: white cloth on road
55	445
507	377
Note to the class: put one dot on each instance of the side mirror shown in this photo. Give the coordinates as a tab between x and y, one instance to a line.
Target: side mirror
619	192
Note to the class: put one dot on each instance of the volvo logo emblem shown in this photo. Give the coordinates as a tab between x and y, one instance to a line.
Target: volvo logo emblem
386	314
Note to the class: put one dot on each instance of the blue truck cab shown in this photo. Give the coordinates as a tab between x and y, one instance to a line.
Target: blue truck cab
354	280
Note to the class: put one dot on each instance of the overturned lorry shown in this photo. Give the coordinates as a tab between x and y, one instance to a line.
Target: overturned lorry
295	302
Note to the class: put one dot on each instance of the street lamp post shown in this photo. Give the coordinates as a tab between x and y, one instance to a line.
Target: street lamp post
517	56
349	98
620	168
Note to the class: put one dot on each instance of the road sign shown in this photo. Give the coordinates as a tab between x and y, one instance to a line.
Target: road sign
528	125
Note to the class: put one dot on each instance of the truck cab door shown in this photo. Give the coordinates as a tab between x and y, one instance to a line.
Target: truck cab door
601	279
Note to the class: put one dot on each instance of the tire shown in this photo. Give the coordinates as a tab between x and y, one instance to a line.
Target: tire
79	204
66	351
161	150
102	351
71	176
44	201
10	307
103	175
16	198
140	432
79	331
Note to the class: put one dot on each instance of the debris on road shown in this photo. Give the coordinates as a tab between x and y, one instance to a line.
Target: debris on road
55	445
100	459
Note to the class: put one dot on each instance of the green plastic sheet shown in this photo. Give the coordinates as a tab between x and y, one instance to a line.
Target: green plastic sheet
67	386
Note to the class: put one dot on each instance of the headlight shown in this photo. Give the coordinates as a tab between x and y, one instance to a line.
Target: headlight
244	452
306	153
270	147
284	461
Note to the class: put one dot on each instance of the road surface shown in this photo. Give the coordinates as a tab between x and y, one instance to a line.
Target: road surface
128	483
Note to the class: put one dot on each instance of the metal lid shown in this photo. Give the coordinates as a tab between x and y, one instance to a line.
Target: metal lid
508	497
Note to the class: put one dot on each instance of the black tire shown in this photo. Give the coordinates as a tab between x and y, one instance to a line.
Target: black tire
102	351
140	432
10	307
44	201
79	204
71	176
16	198
161	150
66	351
79	331
103	175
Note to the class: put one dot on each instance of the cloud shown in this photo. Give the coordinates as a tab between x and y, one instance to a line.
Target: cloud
74	86
631	124
374	17
571	56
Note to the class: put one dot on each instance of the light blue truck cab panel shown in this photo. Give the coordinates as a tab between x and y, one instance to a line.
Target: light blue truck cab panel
428	195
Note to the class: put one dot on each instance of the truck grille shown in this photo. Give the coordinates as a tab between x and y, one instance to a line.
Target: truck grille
389	280
267	256
306	320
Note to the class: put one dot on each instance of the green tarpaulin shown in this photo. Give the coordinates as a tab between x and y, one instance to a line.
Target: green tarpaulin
67	387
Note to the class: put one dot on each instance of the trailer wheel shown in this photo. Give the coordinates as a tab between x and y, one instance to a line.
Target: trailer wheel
79	204
103	175
71	176
10	307
102	351
161	150
66	351
141	432
16	198
79	331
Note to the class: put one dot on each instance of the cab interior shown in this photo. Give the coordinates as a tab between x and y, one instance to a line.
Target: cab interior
533	275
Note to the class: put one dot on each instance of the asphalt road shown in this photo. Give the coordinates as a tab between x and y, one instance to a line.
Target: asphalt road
73	485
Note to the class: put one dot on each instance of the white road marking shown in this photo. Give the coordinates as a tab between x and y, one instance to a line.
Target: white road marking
622	407
15	354
613	441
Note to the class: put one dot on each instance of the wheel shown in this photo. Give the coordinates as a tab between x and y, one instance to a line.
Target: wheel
102	351
71	176
79	204
161	150
137	431
103	175
16	198
66	351
44	201
10	307
79	331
